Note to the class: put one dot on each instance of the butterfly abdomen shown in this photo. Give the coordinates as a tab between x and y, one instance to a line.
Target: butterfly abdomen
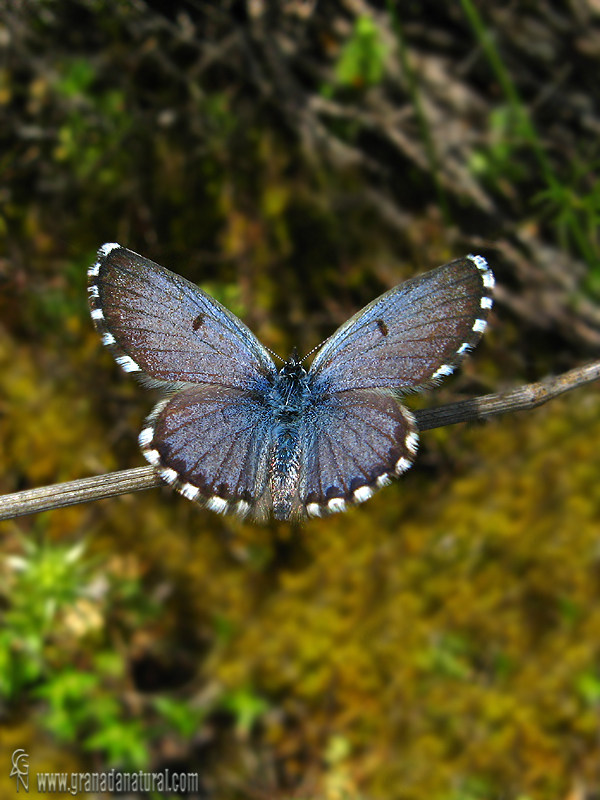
285	472
289	401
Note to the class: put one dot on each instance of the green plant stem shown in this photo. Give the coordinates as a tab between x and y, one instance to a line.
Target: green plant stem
517	106
421	117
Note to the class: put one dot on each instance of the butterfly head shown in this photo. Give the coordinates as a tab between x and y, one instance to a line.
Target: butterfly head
293	369
291	389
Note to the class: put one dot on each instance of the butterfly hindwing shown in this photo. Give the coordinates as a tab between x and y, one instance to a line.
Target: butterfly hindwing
359	440
212	443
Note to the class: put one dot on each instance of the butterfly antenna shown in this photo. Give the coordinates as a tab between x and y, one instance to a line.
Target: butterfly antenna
316	347
274	354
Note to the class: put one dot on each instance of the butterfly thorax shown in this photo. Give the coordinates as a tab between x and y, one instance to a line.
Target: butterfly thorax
289	400
291	388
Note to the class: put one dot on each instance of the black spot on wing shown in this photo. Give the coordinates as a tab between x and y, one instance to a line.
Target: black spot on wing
383	328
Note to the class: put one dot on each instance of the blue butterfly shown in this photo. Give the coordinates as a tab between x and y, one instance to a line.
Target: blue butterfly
238	435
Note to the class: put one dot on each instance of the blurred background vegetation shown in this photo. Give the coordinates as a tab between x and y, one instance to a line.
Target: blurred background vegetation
296	158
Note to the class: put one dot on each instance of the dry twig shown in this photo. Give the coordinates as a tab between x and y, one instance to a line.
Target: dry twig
133	480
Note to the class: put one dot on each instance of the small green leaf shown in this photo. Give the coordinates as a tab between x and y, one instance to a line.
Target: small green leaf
123	742
247	707
361	62
185	719
588	688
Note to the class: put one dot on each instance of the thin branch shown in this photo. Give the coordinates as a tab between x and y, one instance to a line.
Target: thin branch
81	491
134	480
521	399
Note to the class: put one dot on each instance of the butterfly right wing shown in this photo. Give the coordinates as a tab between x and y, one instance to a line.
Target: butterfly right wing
160	325
357	441
413	335
361	436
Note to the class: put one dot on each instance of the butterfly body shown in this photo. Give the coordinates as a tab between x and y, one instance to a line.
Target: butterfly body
239	436
289	403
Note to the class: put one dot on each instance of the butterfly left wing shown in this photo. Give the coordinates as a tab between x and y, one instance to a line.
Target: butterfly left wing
160	325
413	335
212	444
210	439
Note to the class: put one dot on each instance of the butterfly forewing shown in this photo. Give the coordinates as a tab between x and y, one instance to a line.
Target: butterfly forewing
161	325
415	333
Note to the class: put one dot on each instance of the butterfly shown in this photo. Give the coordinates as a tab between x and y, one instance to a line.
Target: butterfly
238	435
